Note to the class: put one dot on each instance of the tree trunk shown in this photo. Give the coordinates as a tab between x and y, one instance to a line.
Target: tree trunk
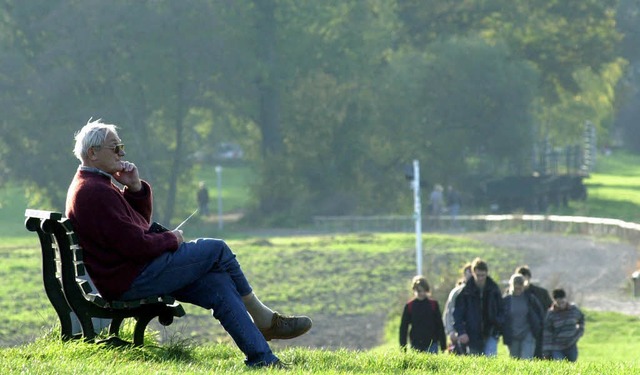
268	90
177	155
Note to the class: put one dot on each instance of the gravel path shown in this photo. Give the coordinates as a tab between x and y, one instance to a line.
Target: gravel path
596	273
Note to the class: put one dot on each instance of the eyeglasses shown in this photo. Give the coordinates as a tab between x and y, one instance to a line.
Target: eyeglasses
117	148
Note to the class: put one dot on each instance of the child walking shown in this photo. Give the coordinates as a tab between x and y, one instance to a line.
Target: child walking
423	315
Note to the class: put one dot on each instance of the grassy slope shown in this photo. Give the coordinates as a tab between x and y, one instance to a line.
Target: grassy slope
49	355
613	189
335	269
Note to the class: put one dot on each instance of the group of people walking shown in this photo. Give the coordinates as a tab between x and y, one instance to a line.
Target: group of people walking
532	323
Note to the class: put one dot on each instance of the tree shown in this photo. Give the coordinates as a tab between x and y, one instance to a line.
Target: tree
139	64
628	103
463	102
563	39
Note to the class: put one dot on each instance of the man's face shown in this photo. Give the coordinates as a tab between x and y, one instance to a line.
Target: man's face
480	277
105	157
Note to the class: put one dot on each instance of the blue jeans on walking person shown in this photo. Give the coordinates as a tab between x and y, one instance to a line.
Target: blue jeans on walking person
523	348
205	273
432	348
570	354
490	347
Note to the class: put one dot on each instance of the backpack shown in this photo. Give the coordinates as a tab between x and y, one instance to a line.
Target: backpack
431	302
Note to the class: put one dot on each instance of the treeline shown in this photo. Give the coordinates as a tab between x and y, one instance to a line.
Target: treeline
329	99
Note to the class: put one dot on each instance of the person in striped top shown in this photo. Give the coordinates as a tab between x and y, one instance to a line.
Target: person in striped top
563	327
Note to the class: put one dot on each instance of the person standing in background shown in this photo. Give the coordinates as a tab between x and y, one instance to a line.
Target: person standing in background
454	202
203	199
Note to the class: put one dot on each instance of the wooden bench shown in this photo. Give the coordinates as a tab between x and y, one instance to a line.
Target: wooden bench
69	290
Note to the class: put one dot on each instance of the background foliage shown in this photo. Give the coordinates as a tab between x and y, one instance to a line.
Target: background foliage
329	100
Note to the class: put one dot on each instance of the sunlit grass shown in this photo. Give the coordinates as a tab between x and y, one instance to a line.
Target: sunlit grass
49	355
613	189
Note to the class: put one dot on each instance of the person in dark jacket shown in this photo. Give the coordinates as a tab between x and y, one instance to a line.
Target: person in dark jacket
203	199
523	319
422	314
543	296
479	312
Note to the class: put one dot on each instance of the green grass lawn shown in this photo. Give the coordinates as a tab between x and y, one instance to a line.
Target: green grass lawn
235	184
49	355
337	275
308	275
613	189
340	275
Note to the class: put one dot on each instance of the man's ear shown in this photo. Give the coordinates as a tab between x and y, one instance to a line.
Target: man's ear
91	153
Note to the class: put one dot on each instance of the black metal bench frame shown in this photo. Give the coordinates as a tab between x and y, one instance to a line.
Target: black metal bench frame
66	285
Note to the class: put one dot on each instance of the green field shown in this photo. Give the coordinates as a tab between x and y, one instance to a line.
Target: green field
346	275
614	190
351	275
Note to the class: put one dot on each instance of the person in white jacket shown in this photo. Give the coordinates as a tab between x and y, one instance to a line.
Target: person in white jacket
447	315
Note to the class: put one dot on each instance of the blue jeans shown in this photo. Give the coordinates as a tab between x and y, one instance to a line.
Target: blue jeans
432	348
205	273
523	348
570	354
490	347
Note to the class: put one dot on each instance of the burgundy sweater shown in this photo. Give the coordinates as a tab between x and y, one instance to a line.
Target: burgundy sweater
113	229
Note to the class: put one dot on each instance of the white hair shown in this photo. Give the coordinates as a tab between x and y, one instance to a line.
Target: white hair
516	279
91	135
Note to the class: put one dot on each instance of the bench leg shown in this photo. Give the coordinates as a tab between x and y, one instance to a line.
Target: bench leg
114	327
141	326
88	331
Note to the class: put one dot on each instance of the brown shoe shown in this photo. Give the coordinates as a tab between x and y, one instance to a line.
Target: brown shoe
286	327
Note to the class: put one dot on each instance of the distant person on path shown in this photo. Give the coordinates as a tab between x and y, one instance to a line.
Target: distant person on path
423	315
436	200
454	201
479	312
447	316
523	319
127	261
437	205
203	199
563	327
543	296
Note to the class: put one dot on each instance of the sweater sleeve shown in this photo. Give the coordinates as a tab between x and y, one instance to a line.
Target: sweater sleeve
450	305
404	326
580	323
547	334
141	201
104	216
459	314
442	338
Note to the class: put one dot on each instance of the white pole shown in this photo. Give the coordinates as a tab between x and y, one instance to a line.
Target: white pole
417	215
219	178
